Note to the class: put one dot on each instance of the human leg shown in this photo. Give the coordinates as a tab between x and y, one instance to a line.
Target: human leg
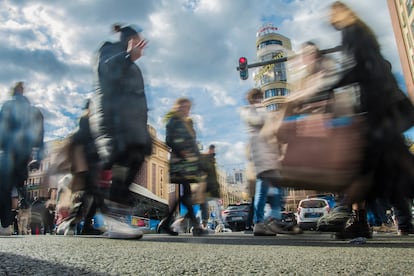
261	191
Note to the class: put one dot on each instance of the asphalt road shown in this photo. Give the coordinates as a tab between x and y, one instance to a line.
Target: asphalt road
311	253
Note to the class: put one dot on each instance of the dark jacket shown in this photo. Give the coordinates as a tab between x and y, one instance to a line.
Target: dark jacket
21	140
389	113
119	109
381	97
184	159
208	165
21	128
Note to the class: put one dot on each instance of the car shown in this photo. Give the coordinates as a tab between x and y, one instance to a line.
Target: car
236	216
309	212
289	217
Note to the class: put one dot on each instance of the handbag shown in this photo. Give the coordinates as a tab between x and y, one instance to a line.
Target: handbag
198	192
325	142
184	170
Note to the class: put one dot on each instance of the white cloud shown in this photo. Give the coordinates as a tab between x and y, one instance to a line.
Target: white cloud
193	50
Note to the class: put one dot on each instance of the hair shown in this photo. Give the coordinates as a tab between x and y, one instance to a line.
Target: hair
312	44
180	101
253	94
17	88
125	31
116	28
212	146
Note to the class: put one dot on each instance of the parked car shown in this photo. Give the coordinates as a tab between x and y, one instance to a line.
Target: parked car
236	216
289	217
309	212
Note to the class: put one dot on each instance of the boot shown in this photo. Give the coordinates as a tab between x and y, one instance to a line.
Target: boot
357	226
165	227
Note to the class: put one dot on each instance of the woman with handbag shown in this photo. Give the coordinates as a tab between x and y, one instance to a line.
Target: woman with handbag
184	162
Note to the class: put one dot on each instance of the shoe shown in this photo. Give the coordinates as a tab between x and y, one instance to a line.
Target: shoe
335	220
164	227
384	228
114	228
66	228
260	229
405	232
6	231
199	231
279	227
90	230
356	227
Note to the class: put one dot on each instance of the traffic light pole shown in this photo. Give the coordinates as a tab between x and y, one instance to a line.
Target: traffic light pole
273	61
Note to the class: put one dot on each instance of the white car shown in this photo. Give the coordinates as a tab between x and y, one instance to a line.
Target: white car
309	211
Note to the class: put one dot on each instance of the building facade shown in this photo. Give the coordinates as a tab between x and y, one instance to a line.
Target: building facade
402	18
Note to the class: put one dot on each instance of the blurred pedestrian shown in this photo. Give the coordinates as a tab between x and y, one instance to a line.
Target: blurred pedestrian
387	166
266	156
184	162
208	161
21	148
118	122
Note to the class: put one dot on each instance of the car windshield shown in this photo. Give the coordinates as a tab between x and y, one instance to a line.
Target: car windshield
313	204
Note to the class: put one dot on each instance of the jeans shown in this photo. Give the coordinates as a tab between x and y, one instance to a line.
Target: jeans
262	196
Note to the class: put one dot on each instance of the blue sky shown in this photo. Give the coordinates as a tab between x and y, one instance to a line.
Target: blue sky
193	50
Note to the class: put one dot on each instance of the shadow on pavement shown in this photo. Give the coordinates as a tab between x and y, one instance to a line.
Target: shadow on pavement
11	264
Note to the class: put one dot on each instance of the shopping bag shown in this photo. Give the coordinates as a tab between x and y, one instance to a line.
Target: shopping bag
324	148
198	192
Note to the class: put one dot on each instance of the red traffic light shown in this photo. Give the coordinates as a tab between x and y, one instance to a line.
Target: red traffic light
243	68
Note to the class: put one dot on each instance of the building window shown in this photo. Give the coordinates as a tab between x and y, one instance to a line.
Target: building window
269	42
272	107
276	92
154	178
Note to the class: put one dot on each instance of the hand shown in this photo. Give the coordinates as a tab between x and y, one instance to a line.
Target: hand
136	48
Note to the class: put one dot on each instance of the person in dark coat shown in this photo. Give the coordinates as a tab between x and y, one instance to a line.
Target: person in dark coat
21	147
184	163
208	161
387	167
118	118
119	110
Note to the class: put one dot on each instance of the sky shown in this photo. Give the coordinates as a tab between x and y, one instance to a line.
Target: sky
193	51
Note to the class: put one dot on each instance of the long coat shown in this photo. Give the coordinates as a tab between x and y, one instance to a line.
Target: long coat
21	139
184	160
119	109
389	113
264	154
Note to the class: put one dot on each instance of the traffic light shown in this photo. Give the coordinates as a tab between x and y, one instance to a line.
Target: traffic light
244	73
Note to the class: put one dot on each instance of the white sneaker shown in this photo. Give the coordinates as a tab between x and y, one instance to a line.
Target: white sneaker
116	229
6	231
65	228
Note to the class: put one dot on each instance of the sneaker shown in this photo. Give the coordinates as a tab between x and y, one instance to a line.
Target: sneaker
164	227
6	231
90	230
66	228
199	231
279	227
335	220
114	228
384	228
260	229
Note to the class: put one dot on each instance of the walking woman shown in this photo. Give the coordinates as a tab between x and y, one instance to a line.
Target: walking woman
184	162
